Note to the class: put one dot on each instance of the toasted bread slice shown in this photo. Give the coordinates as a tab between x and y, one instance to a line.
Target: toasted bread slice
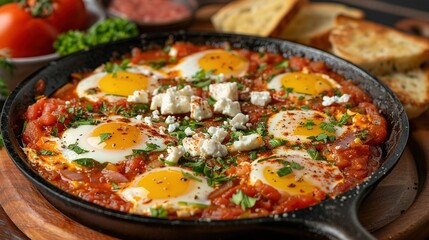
377	48
256	17
412	88
314	22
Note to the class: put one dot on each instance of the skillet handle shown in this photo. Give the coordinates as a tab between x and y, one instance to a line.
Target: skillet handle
337	219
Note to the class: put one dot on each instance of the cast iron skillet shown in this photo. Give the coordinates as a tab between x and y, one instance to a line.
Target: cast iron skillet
333	218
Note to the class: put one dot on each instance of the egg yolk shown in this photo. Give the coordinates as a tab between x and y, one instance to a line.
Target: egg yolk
165	184
309	128
116	136
123	83
287	183
220	61
306	83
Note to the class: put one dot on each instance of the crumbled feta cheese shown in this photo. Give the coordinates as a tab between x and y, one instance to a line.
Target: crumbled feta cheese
156	102
217	133
156	91
328	101
170	119
238	121
172	127
226	90
174	154
147	120
173	52
200	109
260	98
211	147
155	114
227	107
67	102
189	132
173	101
247	143
162	130
139	117
192	144
139	96
198	145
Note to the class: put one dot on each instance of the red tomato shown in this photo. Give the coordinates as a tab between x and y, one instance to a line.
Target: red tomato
69	15
23	35
27	36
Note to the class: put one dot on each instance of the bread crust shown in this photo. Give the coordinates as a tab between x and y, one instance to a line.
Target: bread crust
412	89
314	22
377	48
250	17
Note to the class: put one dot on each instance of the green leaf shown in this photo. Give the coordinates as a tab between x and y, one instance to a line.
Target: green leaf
282	64
198	205
104	137
240	198
309	124
277	142
158	212
329	127
314	154
362	135
284	171
211	100
344	118
188	175
252	155
296	166
87	162
75	148
47	152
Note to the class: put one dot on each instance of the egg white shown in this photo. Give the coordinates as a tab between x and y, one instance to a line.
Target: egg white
193	200
283	124
82	136
320	174
92	81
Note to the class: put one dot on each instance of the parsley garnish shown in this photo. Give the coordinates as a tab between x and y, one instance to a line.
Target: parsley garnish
329	127
323	137
282	64
314	154
158	212
211	101
240	198
104	137
188	175
252	155
309	124
344	118
362	135
277	142
157	63
47	152
88	162
286	170
75	148
114	68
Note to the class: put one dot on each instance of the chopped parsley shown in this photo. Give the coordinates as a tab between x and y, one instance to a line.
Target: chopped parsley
309	124
104	137
274	142
329	127
115	68
89	162
241	199
314	154
158	212
47	152
75	148
190	176
362	135
323	137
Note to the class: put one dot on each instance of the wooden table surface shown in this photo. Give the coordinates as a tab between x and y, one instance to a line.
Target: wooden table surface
411	224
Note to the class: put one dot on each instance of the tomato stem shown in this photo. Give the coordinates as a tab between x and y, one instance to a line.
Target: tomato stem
38	8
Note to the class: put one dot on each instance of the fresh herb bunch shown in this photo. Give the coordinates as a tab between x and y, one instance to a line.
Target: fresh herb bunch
101	32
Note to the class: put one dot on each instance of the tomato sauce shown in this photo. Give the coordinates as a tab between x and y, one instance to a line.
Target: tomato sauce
151	11
356	157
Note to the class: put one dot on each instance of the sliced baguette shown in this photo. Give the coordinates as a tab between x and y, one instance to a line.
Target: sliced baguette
256	17
314	22
412	88
377	48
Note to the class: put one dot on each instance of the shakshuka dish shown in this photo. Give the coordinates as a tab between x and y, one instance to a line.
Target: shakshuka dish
189	131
